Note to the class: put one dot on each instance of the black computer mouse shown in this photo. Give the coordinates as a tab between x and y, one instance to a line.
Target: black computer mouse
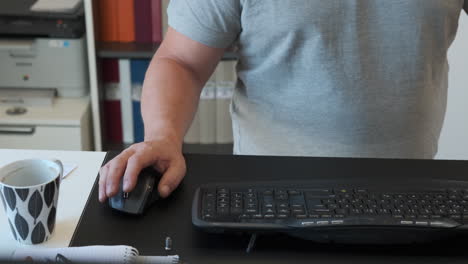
142	197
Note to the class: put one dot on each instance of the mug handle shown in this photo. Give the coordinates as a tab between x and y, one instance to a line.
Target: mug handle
59	163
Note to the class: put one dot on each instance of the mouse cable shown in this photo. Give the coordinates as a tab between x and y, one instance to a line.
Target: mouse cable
251	244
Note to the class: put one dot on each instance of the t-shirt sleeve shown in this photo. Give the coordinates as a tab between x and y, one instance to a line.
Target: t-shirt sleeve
215	23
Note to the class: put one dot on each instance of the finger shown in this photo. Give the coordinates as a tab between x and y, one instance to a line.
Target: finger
172	178
102	183
115	172
135	164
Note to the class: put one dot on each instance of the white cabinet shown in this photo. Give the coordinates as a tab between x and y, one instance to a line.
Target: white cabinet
64	126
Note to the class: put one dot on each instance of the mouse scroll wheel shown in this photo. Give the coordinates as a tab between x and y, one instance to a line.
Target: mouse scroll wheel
125	195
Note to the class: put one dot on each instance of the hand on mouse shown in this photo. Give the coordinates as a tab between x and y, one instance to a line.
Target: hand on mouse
164	155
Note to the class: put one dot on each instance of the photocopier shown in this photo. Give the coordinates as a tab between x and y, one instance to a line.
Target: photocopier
42	47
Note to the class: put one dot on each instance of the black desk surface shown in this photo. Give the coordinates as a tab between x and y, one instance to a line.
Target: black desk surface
100	225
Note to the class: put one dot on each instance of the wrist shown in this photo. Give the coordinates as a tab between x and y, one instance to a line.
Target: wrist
164	134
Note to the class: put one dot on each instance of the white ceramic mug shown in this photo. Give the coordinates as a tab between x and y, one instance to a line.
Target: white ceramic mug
29	191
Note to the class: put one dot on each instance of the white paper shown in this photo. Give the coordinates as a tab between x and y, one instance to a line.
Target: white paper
65	6
68	168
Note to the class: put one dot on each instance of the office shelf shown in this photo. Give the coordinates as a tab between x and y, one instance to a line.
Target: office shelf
117	50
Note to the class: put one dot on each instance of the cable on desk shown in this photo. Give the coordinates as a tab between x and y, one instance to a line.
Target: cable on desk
251	244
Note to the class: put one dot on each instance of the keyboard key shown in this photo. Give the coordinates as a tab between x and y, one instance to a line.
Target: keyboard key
383	211
314	216
208	216
337	222
257	216
301	216
298	211
282	216
421	223
269	216
236	211
321	210
222	211
455	217
297	206
465	219
294	192
236	195
406	222
223	190
341	211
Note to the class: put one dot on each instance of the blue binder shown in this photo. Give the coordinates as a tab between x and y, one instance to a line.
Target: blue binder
138	71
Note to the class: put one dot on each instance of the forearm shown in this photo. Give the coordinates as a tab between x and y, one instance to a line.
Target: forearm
169	99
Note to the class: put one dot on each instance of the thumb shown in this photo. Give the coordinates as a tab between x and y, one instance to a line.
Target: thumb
172	178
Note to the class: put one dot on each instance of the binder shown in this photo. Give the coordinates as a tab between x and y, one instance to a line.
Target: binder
225	84
138	70
126	101
110	71
156	19
193	134
138	127
165	19
108	21
125	20
112	96
143	31
207	108
112	113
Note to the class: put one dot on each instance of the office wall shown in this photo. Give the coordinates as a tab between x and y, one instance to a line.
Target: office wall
453	143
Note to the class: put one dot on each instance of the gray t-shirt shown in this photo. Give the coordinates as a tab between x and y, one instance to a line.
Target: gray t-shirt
347	78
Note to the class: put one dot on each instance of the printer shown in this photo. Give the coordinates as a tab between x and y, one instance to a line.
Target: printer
43	49
23	18
45	63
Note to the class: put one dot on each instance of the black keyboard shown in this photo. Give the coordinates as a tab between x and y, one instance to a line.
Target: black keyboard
349	212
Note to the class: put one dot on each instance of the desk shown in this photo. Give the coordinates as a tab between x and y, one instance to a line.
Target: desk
74	192
172	217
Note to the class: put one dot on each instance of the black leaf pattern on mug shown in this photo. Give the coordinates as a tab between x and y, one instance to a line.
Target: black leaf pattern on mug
35	205
49	193
38	233
3	200
22	193
57	182
10	197
21	226
12	230
51	219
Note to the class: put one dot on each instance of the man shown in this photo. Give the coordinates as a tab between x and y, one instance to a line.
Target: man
358	78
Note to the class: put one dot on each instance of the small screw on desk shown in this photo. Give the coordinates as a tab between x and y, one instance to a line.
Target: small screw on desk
168	244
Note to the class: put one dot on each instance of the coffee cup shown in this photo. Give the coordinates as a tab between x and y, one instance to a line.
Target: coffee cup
29	192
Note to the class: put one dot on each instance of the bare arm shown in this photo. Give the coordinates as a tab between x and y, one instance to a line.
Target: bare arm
173	84
171	92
